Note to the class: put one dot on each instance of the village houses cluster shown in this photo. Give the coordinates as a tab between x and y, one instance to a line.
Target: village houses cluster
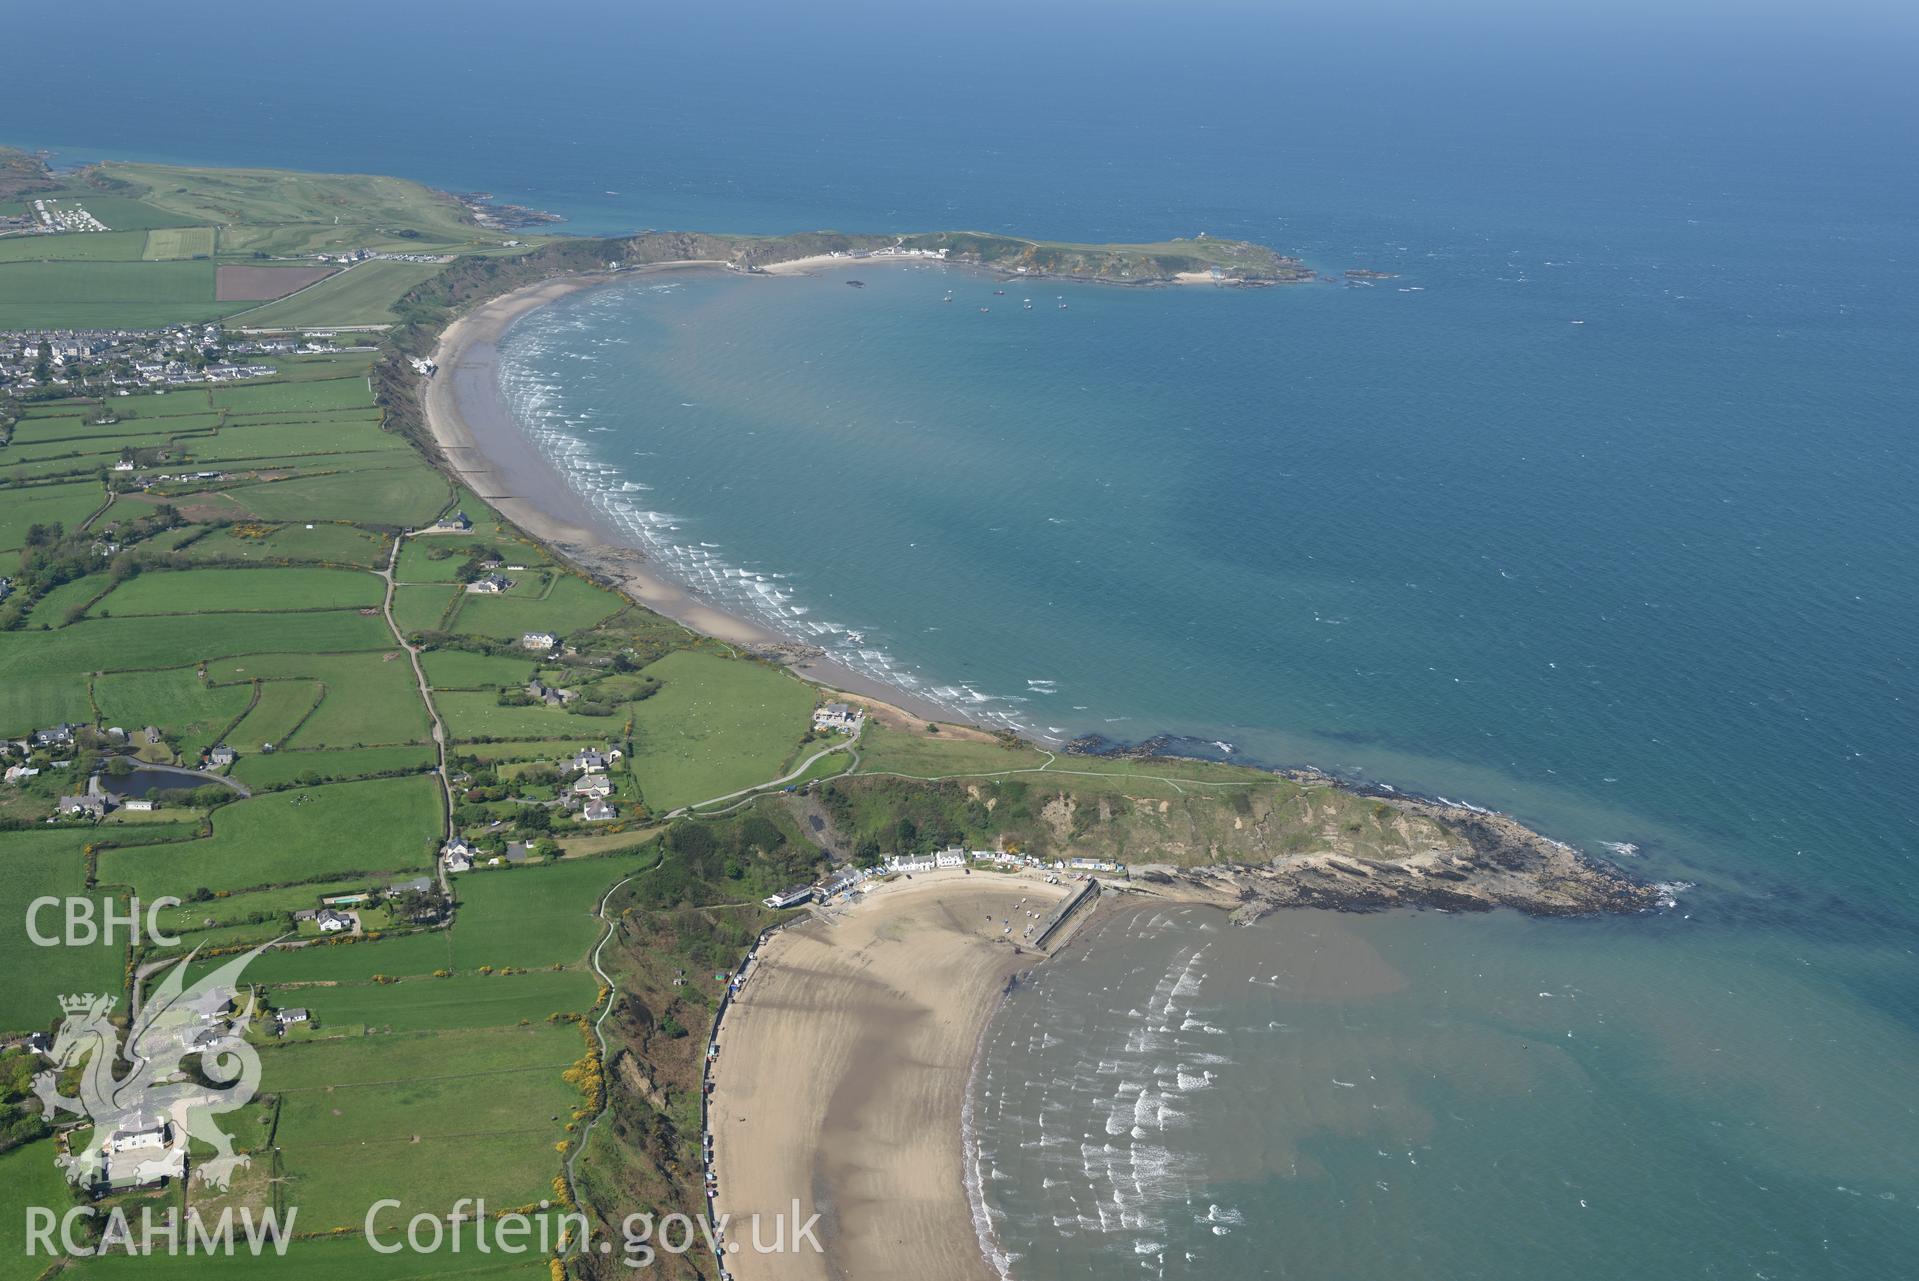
57	747
121	361
587	791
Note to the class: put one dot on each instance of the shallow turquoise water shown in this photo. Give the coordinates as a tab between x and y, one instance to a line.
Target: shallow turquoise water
1341	1099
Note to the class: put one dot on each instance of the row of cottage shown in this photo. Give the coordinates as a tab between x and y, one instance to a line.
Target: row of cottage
953	856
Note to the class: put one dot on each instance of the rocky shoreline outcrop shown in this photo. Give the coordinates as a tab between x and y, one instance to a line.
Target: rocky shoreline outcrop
1459	858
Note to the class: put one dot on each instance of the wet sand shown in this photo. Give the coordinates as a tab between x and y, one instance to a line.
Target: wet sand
483	445
843	1070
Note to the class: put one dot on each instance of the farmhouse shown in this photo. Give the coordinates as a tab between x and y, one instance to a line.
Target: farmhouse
332	922
491	585
296	1014
793	897
140	1153
89	805
457	523
541	691
590	761
220	754
60	735
211	1004
838	717
539	640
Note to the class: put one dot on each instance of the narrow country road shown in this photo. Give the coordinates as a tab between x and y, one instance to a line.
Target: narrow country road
606	981
426	697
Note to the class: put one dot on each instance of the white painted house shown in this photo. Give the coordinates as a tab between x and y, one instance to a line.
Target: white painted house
838	718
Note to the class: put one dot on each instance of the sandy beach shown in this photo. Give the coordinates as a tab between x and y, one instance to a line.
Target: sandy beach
843	1069
483	445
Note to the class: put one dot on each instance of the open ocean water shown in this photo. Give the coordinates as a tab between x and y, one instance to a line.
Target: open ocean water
1600	512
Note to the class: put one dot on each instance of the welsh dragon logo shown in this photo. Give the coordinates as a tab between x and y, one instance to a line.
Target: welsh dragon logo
143	1120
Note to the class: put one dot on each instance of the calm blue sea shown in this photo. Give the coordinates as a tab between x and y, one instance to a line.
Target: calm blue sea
1600	511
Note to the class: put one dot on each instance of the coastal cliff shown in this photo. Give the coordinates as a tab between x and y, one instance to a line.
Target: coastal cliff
1452	857
1249	839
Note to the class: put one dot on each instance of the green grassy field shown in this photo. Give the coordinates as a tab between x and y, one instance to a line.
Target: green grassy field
119	644
214	591
326	542
278	837
278	708
176	699
233	909
68	504
27	704
291	397
28	1177
477	714
280	211
105	294
48	863
348	963
717	724
381	1060
547	749
421	607
370	701
298	765
178	242
409	493
570	604
363	295
462	669
323	1259
51	610
335	1184
94	246
884	750
437	558
534	916
297	441
431	1004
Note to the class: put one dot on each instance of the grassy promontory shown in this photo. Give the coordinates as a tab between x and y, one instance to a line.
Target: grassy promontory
140	246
